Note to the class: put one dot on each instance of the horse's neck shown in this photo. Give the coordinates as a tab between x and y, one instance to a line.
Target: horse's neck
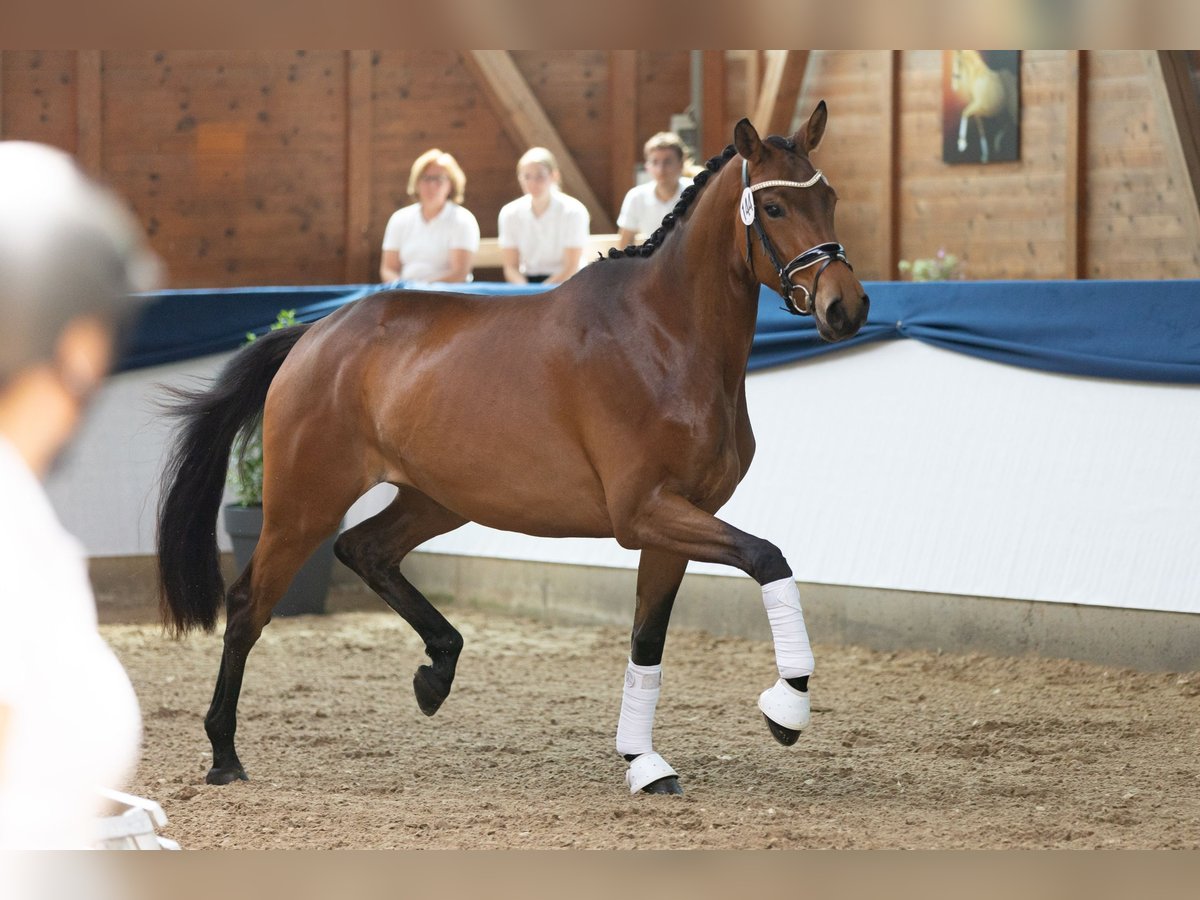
701	280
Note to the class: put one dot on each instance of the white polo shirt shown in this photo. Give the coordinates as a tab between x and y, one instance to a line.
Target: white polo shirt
642	212
72	720
541	240
424	247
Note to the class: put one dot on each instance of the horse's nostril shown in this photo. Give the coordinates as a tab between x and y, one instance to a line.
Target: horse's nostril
835	313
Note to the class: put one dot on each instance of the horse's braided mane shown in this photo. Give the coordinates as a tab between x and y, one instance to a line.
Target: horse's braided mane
671	219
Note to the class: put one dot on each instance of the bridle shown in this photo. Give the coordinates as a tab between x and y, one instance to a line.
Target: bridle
827	252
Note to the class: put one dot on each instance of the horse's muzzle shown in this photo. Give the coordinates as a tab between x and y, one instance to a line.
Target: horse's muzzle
841	320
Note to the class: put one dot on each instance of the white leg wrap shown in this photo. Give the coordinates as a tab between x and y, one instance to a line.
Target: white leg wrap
642	684
793	653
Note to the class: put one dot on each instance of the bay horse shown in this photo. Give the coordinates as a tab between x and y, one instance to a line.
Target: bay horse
611	406
990	97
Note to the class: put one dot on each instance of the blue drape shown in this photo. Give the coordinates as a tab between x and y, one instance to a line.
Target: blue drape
1133	330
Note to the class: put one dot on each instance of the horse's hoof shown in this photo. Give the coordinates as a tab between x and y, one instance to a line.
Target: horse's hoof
651	774
226	775
668	785
430	689
785	736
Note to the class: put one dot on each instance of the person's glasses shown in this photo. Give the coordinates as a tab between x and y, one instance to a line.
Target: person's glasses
433	179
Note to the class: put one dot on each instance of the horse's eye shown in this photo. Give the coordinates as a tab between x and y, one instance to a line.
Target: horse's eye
773	210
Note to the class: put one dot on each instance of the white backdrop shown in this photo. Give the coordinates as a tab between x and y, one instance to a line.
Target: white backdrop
893	466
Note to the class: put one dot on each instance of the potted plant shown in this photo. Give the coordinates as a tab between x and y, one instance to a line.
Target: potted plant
942	266
243	518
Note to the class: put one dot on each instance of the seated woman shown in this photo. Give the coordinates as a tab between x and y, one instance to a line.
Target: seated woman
541	234
434	239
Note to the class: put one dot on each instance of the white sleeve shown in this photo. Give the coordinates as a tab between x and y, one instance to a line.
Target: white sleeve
628	216
393	234
505	231
576	223
466	232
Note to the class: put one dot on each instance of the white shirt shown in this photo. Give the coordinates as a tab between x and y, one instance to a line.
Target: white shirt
72	718
642	212
541	240
424	247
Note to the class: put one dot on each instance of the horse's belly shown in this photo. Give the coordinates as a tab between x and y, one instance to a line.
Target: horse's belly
526	496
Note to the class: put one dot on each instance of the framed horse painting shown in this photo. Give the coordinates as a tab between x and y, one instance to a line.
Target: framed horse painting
981	106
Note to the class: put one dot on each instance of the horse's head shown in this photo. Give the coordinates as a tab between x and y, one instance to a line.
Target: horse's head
787	208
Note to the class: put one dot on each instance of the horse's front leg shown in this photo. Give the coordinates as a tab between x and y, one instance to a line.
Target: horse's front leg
962	133
659	575
673	525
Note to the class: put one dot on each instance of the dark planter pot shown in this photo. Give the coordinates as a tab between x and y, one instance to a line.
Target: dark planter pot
306	595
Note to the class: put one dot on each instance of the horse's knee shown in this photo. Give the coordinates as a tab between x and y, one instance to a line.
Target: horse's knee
356	548
766	562
346	547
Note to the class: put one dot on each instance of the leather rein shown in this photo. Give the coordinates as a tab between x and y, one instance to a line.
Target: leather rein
825	253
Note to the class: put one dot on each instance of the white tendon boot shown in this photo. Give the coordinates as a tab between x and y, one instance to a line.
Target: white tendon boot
782	704
638	700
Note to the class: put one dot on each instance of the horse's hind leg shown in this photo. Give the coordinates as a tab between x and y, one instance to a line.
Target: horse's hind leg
659	576
280	552
374	549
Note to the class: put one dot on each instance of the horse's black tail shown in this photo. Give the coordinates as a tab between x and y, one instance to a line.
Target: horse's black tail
189	574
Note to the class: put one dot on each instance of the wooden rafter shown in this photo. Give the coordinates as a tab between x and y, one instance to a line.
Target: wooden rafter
89	119
753	71
359	74
889	220
528	125
1175	98
1075	176
622	92
781	84
715	133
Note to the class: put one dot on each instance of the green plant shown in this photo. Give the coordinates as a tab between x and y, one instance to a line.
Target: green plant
942	266
246	464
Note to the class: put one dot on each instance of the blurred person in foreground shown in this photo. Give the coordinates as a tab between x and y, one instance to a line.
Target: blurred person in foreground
70	258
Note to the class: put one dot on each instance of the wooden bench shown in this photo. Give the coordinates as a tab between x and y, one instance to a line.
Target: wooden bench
489	256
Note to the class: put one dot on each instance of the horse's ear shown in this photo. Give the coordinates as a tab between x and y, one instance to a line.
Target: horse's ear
808	138
746	140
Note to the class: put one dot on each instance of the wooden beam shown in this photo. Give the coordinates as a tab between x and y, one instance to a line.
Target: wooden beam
359	84
1	93
781	85
89	118
623	136
714	131
1075	166
753	78
528	125
889	126
1175	98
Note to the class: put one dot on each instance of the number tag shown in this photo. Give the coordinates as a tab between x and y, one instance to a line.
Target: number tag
746	207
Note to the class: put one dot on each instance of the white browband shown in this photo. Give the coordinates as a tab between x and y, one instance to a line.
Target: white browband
800	184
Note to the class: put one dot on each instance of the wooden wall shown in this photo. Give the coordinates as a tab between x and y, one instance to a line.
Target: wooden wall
1136	214
282	167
